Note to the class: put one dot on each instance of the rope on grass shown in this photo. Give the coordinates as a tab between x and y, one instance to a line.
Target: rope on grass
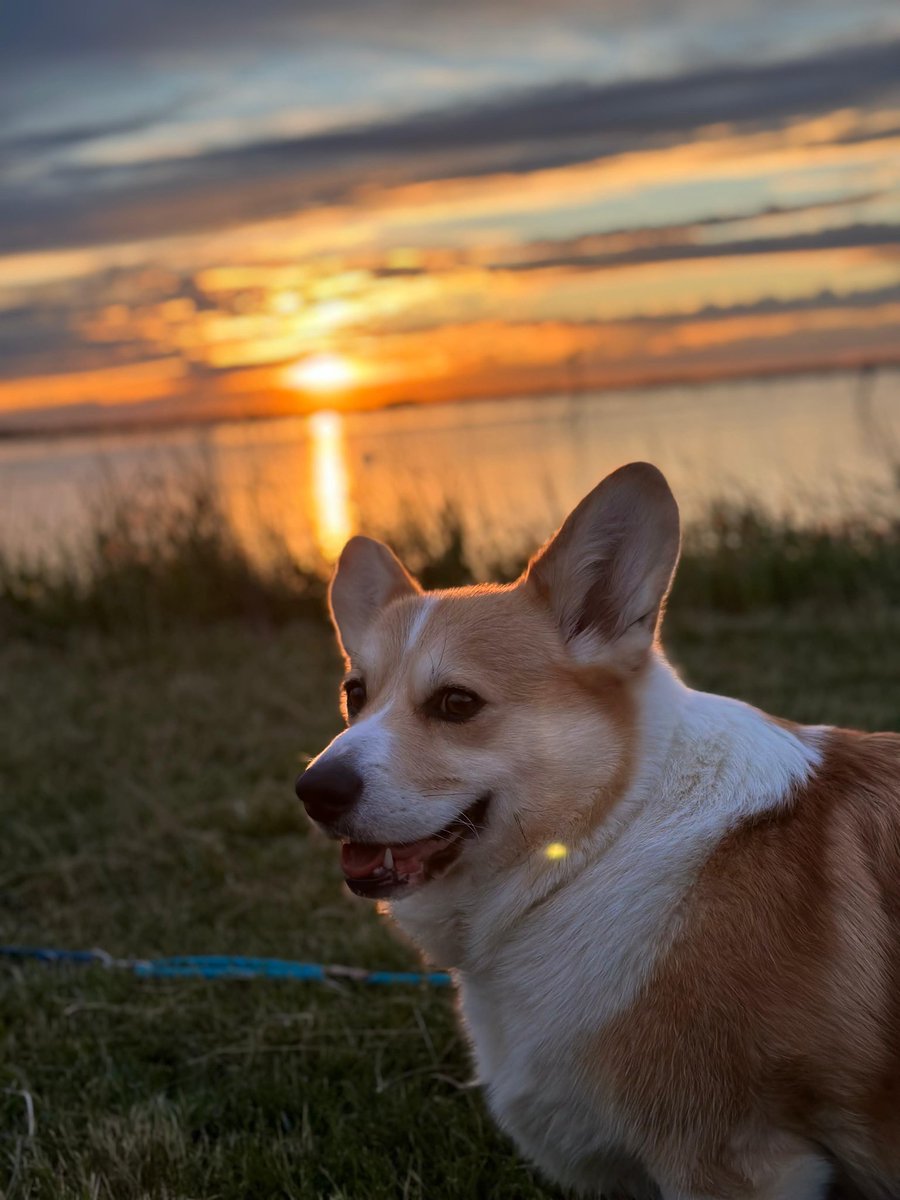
224	966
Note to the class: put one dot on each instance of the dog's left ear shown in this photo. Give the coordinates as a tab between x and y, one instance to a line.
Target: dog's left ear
367	578
606	573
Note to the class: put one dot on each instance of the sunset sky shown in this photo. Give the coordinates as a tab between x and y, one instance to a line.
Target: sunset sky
222	208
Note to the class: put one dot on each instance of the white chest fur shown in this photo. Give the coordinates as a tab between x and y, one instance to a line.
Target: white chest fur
532	1085
541	969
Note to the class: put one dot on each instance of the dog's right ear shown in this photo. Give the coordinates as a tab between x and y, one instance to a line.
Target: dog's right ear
367	577
606	573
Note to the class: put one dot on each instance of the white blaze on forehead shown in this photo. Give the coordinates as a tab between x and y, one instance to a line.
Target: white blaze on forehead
419	621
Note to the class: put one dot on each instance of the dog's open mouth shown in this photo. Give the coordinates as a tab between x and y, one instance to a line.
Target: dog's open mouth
380	871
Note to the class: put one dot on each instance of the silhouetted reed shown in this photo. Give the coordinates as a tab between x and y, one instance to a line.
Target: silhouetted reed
155	557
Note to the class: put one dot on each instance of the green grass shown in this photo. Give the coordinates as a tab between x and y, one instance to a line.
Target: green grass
158	697
153	557
146	805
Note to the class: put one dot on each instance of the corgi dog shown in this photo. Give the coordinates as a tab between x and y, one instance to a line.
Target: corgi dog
673	920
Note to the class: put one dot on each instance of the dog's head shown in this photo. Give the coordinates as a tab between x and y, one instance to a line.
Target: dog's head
490	723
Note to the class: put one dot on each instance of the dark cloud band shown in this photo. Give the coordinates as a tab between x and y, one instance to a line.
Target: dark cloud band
522	132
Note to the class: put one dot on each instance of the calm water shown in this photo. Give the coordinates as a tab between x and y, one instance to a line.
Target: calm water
814	446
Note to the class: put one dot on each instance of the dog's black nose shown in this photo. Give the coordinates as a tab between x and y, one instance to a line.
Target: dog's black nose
328	790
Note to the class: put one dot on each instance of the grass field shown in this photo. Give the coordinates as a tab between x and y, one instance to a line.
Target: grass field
147	808
156	709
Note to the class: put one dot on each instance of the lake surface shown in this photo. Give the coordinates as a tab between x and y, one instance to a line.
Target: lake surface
817	447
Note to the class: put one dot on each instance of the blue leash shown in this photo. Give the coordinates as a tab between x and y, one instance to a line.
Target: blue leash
225	966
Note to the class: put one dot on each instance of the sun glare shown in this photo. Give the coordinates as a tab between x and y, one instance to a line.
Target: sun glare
321	374
332	517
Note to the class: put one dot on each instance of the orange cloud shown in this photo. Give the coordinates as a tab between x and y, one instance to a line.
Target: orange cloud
108	385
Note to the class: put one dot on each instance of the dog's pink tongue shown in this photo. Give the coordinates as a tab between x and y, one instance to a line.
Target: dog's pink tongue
410	858
361	861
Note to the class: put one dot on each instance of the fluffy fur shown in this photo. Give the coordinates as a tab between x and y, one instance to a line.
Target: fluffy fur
675	936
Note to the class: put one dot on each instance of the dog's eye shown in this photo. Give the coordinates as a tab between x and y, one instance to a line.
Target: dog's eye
355	695
454	704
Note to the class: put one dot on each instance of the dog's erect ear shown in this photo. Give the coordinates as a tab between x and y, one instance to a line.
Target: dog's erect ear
606	573
367	577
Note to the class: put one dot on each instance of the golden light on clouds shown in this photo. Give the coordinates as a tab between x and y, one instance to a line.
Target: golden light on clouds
331	509
739	249
322	374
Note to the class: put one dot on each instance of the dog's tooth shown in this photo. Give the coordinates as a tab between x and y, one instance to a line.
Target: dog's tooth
389	859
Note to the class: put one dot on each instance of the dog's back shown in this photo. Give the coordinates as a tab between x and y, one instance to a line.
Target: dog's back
779	1005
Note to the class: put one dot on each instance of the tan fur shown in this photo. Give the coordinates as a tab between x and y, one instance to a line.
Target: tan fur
480	636
779	1005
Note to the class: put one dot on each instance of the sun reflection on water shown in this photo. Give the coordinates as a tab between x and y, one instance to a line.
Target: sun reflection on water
332	511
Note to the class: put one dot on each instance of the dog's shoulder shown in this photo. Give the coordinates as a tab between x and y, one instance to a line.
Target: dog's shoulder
858	786
840	819
779	995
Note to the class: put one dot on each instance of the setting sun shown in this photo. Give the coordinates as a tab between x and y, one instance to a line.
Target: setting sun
322	373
